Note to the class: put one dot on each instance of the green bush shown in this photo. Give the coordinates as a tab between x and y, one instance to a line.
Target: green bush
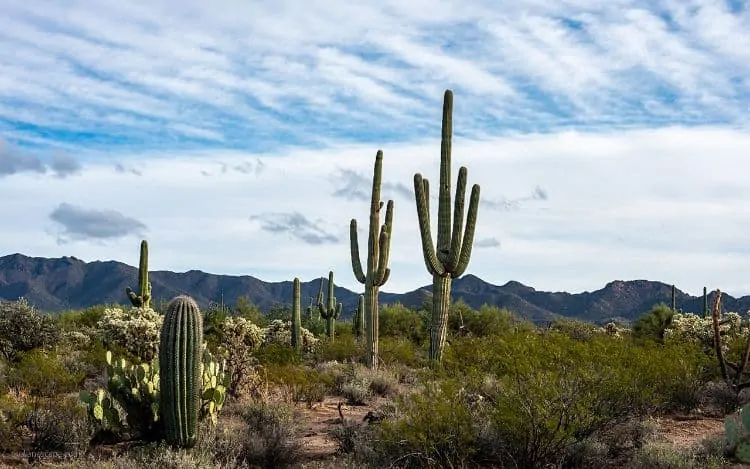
43	374
398	321
84	319
536	397
301	383
398	350
342	349
435	431
23	329
488	320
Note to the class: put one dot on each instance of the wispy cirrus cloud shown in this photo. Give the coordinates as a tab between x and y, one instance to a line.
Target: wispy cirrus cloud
609	138
160	74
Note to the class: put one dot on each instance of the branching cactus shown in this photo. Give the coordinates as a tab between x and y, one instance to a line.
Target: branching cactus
450	257
142	299
378	252
313	313
296	317
332	311
180	379
359	317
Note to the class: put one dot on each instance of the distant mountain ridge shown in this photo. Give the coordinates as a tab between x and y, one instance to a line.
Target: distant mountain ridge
67	282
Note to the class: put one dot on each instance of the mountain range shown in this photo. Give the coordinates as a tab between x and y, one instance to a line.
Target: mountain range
69	283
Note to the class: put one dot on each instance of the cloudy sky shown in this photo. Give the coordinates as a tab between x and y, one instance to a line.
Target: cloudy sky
610	139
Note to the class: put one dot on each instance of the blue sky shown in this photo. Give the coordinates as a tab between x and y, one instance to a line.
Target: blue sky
610	138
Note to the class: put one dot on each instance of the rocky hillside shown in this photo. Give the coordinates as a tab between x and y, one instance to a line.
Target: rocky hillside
68	282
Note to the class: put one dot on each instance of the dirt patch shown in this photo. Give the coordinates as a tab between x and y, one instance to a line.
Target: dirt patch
685	432
316	424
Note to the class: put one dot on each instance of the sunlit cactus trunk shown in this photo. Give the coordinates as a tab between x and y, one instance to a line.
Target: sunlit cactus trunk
296	317
180	379
450	257
378	251
142	299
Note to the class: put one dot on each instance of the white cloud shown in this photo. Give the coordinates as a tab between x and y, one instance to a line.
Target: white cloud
608	137
614	211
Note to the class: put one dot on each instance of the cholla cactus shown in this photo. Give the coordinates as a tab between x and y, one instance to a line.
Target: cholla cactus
614	331
280	332
250	334
689	327
135	330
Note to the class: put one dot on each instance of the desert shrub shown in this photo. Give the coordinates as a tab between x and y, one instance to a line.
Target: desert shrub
300	383
276	354
272	437
398	321
13	413
342	349
718	398
488	320
383	383
661	455
84	319
60	426
23	329
434	431
574	328
135	331
526	383
42	373
399	350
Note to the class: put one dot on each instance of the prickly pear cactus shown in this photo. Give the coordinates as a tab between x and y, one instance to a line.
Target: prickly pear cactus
214	390
101	408
737	431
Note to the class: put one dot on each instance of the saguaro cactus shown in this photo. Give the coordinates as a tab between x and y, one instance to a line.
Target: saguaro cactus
359	318
143	298
312	309
296	317
331	312
674	299
180	371
705	302
450	257
378	251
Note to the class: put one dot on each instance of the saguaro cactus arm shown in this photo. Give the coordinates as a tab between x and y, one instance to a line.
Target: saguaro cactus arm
354	244
421	189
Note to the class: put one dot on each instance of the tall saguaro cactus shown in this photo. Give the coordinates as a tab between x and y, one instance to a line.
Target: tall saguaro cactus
674	299
378	251
180	379
332	311
142	299
705	302
296	317
450	257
